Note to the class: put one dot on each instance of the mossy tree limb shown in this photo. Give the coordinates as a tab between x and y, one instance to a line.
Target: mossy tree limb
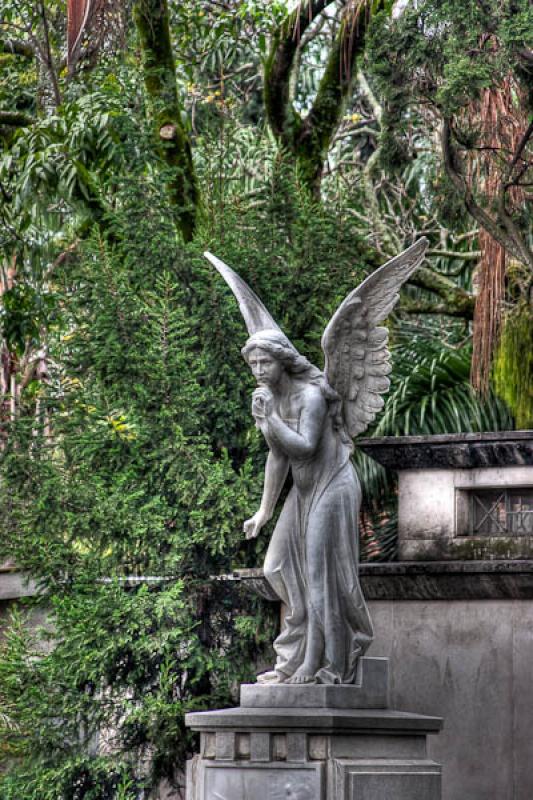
279	67
16	119
455	301
308	140
16	47
173	141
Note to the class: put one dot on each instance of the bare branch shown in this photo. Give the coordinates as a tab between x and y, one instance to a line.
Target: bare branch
49	61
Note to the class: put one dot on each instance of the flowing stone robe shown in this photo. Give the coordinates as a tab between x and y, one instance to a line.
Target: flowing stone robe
312	559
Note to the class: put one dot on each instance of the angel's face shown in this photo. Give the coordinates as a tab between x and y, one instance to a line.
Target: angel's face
265	368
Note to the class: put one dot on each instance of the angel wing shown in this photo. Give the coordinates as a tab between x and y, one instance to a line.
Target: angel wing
355	347
256	316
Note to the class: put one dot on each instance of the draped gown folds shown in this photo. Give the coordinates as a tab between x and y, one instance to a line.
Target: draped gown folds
312	561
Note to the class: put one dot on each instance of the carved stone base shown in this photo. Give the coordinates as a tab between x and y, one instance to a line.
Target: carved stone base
309	753
371	690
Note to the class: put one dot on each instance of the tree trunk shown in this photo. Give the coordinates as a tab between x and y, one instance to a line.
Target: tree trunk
172	140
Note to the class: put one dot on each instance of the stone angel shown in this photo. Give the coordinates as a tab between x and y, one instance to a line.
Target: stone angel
309	417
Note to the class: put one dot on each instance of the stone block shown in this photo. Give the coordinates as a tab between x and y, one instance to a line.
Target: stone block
317	748
225	745
313	754
412	747
208	745
260	747
377	779
296	747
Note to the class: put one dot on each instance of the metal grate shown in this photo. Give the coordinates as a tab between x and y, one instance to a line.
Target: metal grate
501	512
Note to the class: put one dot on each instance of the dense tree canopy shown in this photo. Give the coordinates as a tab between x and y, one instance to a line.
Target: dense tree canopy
304	144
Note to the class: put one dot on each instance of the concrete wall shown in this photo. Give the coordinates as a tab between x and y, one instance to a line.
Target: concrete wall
472	663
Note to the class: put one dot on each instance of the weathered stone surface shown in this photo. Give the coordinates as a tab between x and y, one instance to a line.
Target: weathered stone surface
434	510
260	747
225	745
370	691
469	662
272	782
14	585
451	451
478	548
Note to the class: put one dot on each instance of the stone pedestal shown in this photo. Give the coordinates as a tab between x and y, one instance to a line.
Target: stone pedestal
319	749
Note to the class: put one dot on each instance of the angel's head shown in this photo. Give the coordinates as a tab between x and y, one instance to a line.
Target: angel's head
269	354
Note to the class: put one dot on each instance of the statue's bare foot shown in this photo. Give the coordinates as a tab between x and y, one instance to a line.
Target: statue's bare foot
272	676
303	675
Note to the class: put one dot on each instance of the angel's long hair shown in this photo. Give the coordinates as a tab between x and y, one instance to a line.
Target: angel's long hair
277	345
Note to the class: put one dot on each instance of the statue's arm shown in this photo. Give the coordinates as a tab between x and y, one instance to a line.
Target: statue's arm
276	469
301	444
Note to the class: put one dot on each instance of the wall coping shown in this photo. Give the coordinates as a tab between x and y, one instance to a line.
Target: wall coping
427	580
394	580
15	585
452	450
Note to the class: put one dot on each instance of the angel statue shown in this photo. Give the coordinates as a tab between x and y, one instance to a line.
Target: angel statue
308	418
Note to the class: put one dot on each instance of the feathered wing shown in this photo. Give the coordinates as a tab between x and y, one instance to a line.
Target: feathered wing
355	347
256	316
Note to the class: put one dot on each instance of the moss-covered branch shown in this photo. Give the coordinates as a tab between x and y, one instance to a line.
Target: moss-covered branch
16	47
280	67
409	306
335	88
172	140
455	302
308	140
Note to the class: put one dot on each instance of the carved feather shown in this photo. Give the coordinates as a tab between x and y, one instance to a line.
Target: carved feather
355	347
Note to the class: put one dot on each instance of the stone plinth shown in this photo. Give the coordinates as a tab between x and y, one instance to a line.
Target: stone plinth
312	754
306	752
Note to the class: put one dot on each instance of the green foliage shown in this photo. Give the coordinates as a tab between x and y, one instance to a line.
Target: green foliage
22	314
513	367
110	719
438	57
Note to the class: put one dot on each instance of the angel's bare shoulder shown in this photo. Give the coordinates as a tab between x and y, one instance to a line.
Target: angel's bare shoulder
309	395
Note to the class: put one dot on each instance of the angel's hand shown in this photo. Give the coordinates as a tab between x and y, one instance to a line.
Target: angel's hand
252	527
262	403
